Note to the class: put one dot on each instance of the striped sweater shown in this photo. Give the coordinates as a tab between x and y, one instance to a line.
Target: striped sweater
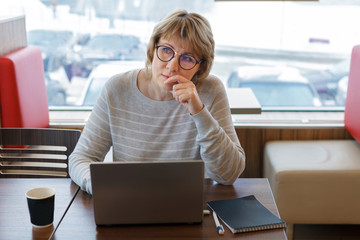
139	128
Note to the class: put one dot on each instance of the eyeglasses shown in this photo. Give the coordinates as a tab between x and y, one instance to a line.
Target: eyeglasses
166	54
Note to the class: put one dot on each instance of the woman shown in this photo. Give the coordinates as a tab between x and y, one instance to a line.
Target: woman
169	111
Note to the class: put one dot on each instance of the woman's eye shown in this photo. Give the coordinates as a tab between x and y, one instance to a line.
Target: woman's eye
187	58
167	50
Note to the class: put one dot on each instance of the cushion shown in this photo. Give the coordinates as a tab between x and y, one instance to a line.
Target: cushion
23	95
313	181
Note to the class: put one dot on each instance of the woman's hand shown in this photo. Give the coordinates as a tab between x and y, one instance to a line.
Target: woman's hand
184	91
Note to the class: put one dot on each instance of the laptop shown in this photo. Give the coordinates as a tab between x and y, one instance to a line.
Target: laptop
147	192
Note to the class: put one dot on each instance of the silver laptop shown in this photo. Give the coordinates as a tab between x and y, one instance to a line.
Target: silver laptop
147	192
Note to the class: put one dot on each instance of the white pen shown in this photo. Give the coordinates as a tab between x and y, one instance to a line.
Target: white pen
219	227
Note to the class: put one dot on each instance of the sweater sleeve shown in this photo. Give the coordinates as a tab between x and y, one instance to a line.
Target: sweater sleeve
220	148
94	143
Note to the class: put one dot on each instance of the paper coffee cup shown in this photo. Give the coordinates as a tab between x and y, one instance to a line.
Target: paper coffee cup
41	206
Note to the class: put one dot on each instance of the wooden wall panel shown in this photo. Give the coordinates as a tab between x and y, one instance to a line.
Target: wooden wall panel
253	141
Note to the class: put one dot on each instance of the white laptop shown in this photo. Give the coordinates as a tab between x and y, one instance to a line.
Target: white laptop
147	192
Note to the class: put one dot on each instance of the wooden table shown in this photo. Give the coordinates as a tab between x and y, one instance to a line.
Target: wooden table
14	214
79	223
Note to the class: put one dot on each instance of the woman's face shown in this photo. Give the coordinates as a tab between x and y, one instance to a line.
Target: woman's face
163	70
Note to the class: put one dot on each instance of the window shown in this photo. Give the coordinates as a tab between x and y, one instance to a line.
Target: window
299	50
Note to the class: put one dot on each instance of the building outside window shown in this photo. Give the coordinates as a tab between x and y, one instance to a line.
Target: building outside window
292	54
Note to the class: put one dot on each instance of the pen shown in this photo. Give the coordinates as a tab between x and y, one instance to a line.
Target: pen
219	227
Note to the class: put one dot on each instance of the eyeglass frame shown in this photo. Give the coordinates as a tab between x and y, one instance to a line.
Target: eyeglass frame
175	53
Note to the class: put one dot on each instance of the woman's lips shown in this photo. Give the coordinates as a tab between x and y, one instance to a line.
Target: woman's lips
165	76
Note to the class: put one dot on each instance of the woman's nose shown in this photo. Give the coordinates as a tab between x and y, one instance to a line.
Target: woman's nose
173	64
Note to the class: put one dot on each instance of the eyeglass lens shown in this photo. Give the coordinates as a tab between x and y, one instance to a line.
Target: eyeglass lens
166	54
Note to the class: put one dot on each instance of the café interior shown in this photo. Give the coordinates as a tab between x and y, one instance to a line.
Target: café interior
309	155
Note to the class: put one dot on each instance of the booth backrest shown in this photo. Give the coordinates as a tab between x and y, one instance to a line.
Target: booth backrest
352	105
23	95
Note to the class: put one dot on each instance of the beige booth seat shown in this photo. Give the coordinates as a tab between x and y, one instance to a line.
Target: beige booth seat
315	182
318	182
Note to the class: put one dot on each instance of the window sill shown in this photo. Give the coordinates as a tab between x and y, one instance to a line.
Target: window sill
69	118
78	118
291	119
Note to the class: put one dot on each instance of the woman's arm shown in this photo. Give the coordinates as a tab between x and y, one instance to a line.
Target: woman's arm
94	143
220	148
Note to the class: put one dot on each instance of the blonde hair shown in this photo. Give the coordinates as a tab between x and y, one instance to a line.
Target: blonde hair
193	28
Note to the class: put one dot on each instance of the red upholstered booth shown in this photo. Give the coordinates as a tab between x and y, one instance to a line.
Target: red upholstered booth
23	96
352	104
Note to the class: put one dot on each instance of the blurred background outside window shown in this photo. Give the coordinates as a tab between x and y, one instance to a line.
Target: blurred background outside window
292	54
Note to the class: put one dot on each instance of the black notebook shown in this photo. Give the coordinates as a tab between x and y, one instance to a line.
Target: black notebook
245	214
